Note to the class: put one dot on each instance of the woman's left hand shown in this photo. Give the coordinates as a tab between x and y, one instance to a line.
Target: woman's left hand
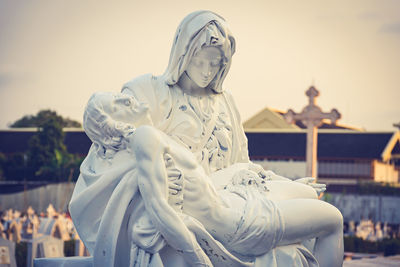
266	175
319	188
257	169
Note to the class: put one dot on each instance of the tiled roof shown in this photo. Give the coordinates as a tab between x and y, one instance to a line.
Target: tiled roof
357	145
17	140
279	144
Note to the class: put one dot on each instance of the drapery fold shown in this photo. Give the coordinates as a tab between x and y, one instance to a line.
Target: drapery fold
106	197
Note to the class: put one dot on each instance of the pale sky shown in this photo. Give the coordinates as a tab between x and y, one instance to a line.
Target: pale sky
54	54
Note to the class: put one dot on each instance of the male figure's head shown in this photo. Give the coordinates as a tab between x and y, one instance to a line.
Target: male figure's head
108	118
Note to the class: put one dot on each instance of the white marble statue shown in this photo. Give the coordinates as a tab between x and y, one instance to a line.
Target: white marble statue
168	180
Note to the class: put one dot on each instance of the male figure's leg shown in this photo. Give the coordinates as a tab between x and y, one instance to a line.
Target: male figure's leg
309	218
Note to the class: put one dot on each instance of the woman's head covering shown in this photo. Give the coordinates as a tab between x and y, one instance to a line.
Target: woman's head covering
199	29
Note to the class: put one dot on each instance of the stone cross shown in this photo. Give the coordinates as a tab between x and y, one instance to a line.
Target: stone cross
312	117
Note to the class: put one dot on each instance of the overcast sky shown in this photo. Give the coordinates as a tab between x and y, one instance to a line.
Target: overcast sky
54	54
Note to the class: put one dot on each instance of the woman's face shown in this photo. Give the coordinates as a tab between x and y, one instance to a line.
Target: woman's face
204	65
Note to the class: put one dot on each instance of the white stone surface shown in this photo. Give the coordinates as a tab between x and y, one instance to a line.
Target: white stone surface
168	181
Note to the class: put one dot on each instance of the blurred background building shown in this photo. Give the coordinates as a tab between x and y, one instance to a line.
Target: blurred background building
346	154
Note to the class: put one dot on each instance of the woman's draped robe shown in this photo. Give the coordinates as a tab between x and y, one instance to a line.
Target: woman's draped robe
106	195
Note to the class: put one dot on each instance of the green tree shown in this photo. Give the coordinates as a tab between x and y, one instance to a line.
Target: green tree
41	117
14	167
48	158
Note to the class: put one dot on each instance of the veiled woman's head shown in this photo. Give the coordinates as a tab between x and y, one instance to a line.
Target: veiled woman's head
202	49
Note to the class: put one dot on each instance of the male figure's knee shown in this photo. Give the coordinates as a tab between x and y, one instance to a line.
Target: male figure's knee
335	217
310	192
339	219
305	191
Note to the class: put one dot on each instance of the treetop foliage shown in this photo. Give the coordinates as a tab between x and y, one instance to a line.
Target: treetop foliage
42	117
47	157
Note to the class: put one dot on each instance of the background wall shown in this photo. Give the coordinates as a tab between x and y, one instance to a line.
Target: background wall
376	208
39	198
353	207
